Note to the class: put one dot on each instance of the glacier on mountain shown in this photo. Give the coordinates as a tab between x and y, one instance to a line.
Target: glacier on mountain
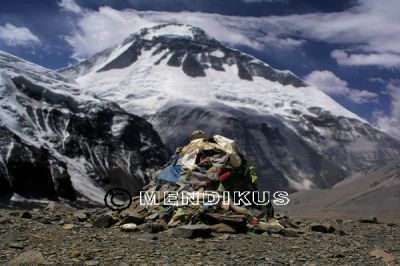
59	143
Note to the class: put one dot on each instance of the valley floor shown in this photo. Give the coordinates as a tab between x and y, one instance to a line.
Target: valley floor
57	237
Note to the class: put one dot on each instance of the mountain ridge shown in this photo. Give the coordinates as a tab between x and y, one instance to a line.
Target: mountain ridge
58	143
372	191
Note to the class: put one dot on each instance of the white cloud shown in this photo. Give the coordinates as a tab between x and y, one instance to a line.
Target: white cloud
70	6
13	35
228	29
331	84
370	30
328	82
391	123
362	96
97	30
377	80
383	59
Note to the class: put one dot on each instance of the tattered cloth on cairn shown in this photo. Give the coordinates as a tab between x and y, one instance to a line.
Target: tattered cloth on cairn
205	164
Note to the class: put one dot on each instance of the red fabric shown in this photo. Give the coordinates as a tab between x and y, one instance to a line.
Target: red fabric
202	183
254	222
205	160
224	176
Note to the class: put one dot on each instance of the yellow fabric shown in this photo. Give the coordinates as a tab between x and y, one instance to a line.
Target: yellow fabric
253	174
189	160
272	224
224	144
192	146
227	145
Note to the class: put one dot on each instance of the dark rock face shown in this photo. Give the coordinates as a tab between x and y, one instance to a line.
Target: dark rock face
51	137
5	186
243	72
124	60
192	67
284	154
33	172
193	55
174	60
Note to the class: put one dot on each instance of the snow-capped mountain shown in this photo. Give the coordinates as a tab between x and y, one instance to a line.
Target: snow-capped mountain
181	79
57	142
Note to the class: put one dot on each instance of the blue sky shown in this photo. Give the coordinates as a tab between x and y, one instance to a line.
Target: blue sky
349	49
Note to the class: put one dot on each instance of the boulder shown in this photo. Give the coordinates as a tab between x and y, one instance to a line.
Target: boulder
192	231
81	217
322	228
5	220
223	228
153	227
104	221
133	217
368	220
290	232
28	258
386	257
129	227
68	226
26	215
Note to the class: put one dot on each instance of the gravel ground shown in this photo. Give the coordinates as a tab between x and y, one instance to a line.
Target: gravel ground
57	237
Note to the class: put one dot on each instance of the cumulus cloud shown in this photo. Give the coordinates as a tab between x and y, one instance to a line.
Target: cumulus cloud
371	29
98	30
362	96
327	82
391	122
13	35
382	59
70	6
331	84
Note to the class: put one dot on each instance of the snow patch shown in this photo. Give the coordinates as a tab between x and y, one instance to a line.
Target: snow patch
183	31
218	53
151	87
21	199
119	124
83	184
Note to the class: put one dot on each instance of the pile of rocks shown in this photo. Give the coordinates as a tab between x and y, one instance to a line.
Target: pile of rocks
202	179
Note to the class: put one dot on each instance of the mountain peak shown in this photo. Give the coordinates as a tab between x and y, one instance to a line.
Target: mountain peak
177	31
173	33
186	47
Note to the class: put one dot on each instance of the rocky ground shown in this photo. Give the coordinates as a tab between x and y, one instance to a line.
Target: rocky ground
63	235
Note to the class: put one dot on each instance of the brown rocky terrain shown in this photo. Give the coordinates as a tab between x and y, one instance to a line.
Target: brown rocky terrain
372	191
62	235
